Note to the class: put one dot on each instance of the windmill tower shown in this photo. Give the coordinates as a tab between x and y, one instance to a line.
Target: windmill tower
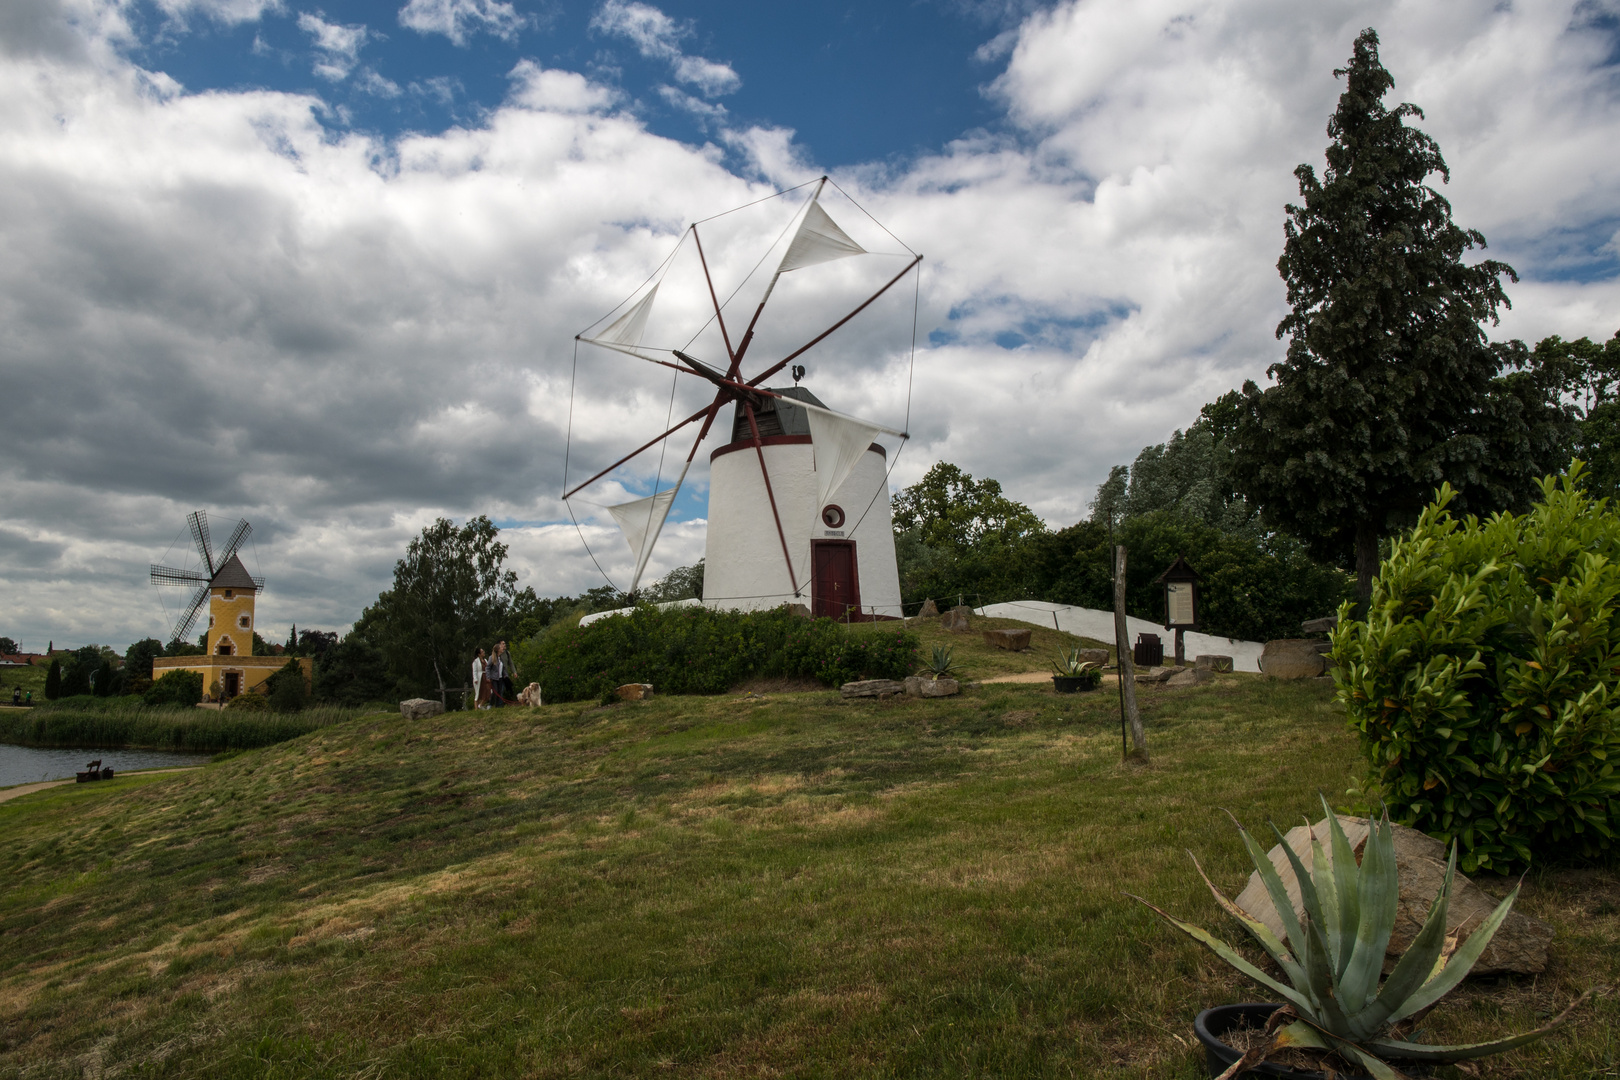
224	584
798	494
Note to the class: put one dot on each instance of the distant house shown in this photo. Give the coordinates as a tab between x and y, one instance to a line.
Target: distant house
26	659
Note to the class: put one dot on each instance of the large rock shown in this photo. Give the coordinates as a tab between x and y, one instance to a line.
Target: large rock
1292	658
635	691
1520	945
923	686
1319	626
957	619
1011	640
420	708
799	610
1212	662
872	688
1094	656
929	610
1154	675
1193	676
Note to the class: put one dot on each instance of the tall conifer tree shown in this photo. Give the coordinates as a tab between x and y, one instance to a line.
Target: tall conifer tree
1389	386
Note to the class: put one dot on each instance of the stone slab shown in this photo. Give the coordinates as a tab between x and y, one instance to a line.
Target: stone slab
1213	662
419	708
1011	640
872	688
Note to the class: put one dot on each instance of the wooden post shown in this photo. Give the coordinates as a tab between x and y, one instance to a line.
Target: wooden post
1181	648
1127	668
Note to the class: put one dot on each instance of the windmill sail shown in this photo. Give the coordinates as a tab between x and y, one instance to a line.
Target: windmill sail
818	240
839	442
642	520
628	328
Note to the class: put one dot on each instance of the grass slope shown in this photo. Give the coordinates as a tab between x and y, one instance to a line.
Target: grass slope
161	728
793	885
980	660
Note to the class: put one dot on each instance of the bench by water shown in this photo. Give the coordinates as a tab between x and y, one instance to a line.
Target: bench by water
28	764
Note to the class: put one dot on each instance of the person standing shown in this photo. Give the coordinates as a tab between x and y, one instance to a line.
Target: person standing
480	681
508	671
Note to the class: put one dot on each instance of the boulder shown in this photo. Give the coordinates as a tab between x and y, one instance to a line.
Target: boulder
1154	675
1319	626
1193	676
800	610
1212	662
419	708
929	610
957	619
1519	947
530	695
872	688
635	691
923	686
1292	658
1094	656
1011	640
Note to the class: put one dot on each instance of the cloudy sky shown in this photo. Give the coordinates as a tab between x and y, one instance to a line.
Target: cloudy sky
321	265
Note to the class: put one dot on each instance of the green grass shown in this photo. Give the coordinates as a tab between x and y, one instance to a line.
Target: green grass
694	887
981	660
105	723
28	678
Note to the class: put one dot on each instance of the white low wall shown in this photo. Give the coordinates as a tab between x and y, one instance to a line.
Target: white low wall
1099	625
587	620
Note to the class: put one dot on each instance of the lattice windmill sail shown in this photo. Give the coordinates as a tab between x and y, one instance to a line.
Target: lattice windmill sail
222	569
798	494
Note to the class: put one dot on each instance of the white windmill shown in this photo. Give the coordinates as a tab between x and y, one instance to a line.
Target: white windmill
798	493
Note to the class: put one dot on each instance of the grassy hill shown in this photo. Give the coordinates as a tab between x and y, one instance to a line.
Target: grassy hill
790	885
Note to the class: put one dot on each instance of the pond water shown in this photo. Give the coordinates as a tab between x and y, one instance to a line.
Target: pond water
27	764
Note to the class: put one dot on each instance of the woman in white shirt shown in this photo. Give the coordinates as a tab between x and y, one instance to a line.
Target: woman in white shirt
479	682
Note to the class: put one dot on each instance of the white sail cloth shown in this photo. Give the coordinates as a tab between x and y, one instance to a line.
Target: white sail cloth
641	520
818	240
628	328
839	443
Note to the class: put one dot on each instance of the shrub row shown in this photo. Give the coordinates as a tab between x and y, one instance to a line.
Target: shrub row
694	650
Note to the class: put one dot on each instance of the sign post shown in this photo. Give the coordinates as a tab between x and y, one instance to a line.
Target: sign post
1180	583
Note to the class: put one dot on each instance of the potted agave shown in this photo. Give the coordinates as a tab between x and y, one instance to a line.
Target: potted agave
1073	674
1333	1002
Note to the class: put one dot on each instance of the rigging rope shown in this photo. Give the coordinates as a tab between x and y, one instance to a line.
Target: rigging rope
568	447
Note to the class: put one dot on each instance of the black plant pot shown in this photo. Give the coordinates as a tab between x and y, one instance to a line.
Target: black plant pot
1073	684
1211	1024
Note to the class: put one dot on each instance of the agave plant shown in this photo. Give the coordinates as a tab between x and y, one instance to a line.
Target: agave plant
1069	664
1335	1002
941	666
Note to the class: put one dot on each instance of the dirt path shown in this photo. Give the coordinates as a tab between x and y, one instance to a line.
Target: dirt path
7	794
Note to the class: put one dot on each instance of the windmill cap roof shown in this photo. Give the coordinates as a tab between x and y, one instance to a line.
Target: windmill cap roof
233	575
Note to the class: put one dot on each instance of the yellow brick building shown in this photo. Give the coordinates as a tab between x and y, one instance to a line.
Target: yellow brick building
230	668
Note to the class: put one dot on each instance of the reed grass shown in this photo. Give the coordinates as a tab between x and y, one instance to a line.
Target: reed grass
115	722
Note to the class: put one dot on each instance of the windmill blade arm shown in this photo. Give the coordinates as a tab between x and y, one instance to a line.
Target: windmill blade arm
632	350
168	575
237	538
795	402
199	535
807	346
645	446
183	627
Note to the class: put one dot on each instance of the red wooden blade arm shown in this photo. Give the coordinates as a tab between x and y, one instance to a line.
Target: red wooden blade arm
801	350
721	319
645	446
759	449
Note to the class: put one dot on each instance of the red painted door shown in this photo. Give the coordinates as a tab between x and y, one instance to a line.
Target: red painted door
833	584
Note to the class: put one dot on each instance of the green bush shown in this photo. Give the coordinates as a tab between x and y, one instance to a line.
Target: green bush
694	650
176	688
286	687
1485	681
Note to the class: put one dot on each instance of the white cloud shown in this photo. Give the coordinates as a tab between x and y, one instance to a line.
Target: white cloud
455	19
708	112
657	36
378	85
338	45
211	301
229	12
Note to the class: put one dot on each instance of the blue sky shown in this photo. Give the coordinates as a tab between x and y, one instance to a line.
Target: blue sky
858	83
320	265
